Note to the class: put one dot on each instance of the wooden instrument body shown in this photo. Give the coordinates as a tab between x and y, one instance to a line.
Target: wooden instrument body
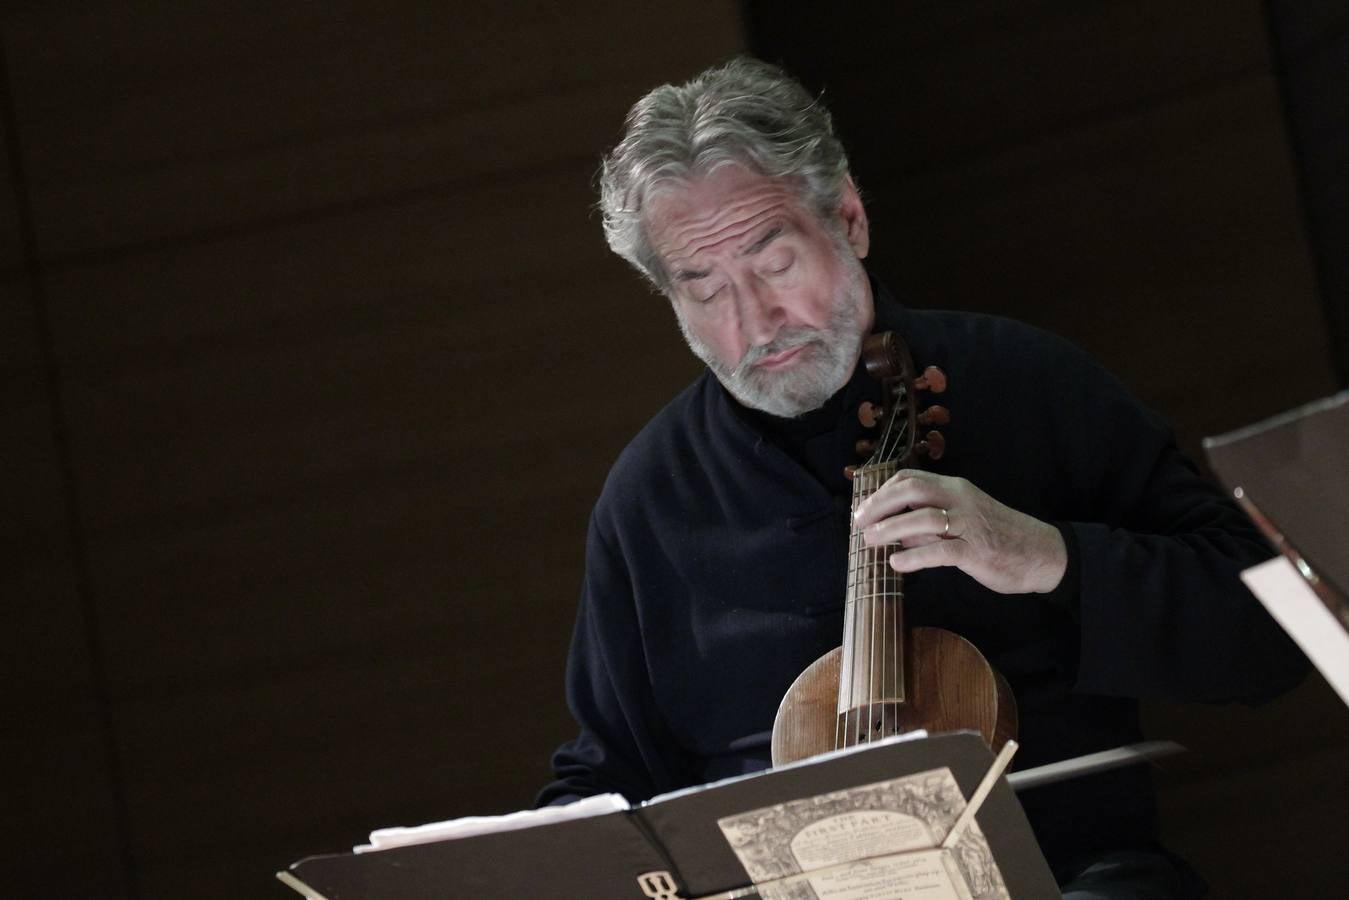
951	687
887	678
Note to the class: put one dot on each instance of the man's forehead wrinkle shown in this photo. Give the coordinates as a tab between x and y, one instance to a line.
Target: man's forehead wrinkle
696	238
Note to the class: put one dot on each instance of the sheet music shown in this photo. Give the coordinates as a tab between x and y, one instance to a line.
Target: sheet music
1297	609
385	838
909	816
601	854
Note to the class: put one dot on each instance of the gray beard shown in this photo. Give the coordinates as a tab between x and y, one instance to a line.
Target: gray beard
824	366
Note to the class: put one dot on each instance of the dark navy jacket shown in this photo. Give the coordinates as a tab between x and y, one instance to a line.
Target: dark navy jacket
716	560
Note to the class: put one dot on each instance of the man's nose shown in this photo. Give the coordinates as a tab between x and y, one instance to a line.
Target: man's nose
761	312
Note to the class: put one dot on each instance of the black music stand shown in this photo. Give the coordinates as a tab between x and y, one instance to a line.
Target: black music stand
1291	475
674	847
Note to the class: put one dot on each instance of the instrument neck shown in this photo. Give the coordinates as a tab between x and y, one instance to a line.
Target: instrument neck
872	668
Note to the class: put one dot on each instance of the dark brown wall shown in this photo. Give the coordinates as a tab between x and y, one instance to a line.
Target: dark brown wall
313	361
1309	47
311	372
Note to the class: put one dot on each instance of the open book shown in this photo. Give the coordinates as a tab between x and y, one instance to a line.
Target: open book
931	815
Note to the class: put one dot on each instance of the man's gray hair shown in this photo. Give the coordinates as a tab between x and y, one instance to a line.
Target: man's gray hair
746	112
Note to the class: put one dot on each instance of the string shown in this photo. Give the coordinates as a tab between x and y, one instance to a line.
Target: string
875	604
886	610
845	690
864	726
869	572
889	598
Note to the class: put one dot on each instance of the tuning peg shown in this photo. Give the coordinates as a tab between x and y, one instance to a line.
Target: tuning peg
865	448
869	414
933	379
935	415
933	445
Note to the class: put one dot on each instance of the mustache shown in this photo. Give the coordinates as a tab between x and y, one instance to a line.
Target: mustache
786	340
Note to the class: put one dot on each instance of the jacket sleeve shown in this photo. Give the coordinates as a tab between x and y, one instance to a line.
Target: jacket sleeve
1161	608
623	745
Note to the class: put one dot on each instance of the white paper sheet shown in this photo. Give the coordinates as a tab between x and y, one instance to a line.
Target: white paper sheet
385	838
1295	606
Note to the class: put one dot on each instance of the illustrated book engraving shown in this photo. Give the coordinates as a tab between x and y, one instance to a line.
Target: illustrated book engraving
893	830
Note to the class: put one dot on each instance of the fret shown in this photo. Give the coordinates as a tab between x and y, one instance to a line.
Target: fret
897	594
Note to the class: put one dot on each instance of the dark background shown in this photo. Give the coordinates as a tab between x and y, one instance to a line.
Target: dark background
312	361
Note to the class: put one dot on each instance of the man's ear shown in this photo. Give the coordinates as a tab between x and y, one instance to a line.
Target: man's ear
854	217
